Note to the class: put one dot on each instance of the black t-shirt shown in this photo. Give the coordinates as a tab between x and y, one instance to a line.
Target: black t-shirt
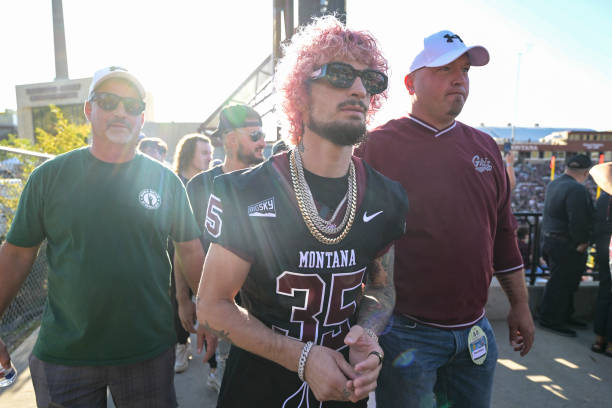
297	285
327	192
199	189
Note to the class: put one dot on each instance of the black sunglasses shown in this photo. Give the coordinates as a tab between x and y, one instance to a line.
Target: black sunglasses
343	75
256	135
110	101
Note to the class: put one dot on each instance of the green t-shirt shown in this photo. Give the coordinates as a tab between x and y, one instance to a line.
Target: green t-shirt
106	226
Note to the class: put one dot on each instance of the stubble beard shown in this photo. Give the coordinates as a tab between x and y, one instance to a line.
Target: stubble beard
248	158
121	137
456	107
339	133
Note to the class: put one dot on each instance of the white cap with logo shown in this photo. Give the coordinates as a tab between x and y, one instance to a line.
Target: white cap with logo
443	48
115	72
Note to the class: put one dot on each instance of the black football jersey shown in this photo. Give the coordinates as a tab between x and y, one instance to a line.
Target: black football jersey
297	285
199	189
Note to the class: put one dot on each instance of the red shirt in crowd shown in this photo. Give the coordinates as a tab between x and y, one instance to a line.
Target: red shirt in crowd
459	228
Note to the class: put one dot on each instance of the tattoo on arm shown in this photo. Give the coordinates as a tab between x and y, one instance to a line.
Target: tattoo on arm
513	285
221	334
379	297
505	284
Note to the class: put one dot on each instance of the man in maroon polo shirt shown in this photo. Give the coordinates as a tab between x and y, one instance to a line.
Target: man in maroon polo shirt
440	347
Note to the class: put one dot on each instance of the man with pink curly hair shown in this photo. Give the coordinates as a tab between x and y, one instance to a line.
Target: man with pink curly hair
306	237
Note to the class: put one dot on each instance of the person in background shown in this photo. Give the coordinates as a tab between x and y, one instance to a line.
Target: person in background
509	158
243	141
566	227
602	232
153	147
522	234
192	156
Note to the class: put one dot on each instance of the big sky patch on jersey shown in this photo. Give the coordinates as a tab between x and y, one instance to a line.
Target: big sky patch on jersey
264	208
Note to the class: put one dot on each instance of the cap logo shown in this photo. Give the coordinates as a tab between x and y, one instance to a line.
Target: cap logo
117	69
450	38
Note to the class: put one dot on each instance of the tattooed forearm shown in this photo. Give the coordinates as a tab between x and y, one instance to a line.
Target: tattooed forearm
379	296
220	334
513	284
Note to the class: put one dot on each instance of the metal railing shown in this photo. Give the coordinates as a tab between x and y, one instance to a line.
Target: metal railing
532	220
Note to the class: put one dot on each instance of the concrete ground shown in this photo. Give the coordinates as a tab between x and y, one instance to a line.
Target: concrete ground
558	372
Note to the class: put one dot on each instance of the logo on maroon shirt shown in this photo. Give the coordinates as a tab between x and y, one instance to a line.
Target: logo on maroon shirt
481	164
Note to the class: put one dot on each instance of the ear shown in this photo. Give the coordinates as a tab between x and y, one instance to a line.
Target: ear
87	110
409	82
230	139
142	121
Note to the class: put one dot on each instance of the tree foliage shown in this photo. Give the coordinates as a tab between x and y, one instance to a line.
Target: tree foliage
64	136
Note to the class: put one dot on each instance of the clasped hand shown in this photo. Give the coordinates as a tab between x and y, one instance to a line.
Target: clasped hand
331	377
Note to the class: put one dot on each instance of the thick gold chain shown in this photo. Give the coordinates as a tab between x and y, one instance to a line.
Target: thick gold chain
324	226
299	194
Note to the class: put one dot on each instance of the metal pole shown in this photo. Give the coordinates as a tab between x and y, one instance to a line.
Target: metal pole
535	262
516	94
59	40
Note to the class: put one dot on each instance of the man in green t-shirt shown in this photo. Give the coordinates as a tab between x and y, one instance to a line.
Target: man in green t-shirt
106	212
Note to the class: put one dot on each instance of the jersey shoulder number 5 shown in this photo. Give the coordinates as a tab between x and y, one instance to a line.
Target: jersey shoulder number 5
213	216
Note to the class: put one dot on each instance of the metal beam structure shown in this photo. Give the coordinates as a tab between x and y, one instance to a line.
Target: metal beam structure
257	88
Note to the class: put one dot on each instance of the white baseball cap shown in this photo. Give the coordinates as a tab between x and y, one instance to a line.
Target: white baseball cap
443	48
115	72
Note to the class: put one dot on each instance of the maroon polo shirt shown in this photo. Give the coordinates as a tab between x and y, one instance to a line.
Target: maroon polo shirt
459	229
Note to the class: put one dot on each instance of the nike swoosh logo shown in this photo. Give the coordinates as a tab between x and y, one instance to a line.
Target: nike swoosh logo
368	218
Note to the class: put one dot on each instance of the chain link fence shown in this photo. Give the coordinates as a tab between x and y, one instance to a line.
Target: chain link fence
24	313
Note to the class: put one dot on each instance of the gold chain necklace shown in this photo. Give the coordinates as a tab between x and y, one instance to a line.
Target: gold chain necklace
327	227
303	193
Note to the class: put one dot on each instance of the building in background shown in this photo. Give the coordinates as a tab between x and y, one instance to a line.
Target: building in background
8	123
537	144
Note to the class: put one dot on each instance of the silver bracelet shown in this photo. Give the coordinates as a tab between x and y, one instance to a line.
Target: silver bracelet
303	358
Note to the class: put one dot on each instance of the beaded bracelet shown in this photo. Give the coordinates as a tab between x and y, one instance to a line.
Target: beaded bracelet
303	358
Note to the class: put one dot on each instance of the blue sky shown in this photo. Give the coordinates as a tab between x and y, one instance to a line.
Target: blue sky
192	54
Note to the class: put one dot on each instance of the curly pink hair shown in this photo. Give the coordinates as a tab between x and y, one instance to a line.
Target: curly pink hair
316	44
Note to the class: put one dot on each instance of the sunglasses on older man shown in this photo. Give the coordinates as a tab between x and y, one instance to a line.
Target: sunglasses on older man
343	75
109	102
